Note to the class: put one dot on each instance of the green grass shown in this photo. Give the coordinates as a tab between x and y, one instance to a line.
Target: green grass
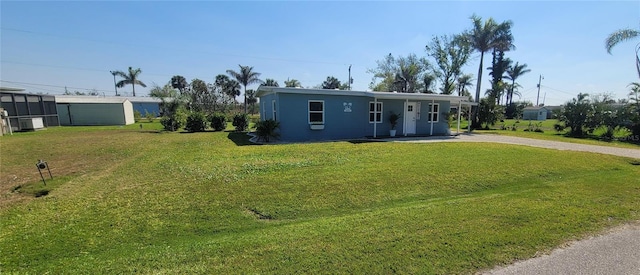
127	200
549	133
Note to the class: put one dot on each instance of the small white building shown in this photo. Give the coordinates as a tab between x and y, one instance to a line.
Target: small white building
92	110
535	113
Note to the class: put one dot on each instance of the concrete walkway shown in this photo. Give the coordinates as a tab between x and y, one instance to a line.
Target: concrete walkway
558	145
615	252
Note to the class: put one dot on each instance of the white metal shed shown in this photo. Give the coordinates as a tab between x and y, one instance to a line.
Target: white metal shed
92	110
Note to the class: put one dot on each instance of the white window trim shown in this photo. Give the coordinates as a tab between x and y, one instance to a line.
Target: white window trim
273	109
374	112
431	113
309	112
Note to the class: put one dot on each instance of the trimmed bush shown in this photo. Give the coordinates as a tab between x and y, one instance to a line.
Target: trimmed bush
196	122
266	129
241	122
218	122
174	122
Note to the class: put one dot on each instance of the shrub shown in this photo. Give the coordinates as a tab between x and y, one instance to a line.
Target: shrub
173	122
266	129
559	127
241	122
196	122
149	116
218	121
136	115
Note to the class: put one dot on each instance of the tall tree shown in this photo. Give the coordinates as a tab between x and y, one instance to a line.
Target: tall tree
271	82
227	86
252	99
499	66
162	92
450	55
130	78
428	81
402	74
331	83
246	76
179	82
483	37
198	95
293	83
620	36
514	72
463	82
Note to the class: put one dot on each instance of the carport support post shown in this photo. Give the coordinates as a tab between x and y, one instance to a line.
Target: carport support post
459	109
404	124
469	120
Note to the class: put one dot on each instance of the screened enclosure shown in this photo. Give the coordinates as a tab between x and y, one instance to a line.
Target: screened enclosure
24	106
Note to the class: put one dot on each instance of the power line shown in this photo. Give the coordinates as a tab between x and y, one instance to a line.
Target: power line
568	93
174	49
54	86
72	68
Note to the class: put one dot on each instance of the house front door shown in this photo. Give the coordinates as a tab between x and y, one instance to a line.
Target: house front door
410	118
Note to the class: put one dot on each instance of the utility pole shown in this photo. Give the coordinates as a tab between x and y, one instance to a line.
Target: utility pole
114	81
349	77
538	97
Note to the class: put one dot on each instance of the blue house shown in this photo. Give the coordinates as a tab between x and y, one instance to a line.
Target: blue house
146	105
318	114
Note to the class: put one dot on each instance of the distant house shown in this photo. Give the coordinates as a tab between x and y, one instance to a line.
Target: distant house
145	105
319	114
535	113
92	110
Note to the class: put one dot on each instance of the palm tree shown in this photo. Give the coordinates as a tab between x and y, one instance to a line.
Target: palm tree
634	95
130	78
463	82
179	82
620	36
246	76
484	37
513	72
292	83
271	82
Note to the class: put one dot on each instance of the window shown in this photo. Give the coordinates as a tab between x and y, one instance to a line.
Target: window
316	112
273	108
433	112
375	112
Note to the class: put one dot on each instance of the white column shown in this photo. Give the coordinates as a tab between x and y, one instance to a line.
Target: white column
459	111
375	124
404	113
433	102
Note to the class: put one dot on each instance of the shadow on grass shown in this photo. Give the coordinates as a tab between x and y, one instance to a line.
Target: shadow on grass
240	138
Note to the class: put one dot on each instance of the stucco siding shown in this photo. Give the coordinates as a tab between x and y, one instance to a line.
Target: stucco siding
338	124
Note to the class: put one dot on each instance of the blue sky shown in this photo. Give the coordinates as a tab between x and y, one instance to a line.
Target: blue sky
76	44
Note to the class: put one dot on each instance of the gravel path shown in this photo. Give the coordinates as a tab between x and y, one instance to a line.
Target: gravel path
558	145
615	252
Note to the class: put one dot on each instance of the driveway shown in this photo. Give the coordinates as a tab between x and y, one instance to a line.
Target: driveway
558	145
617	251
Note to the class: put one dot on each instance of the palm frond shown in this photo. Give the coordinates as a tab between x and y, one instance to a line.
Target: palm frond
620	36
